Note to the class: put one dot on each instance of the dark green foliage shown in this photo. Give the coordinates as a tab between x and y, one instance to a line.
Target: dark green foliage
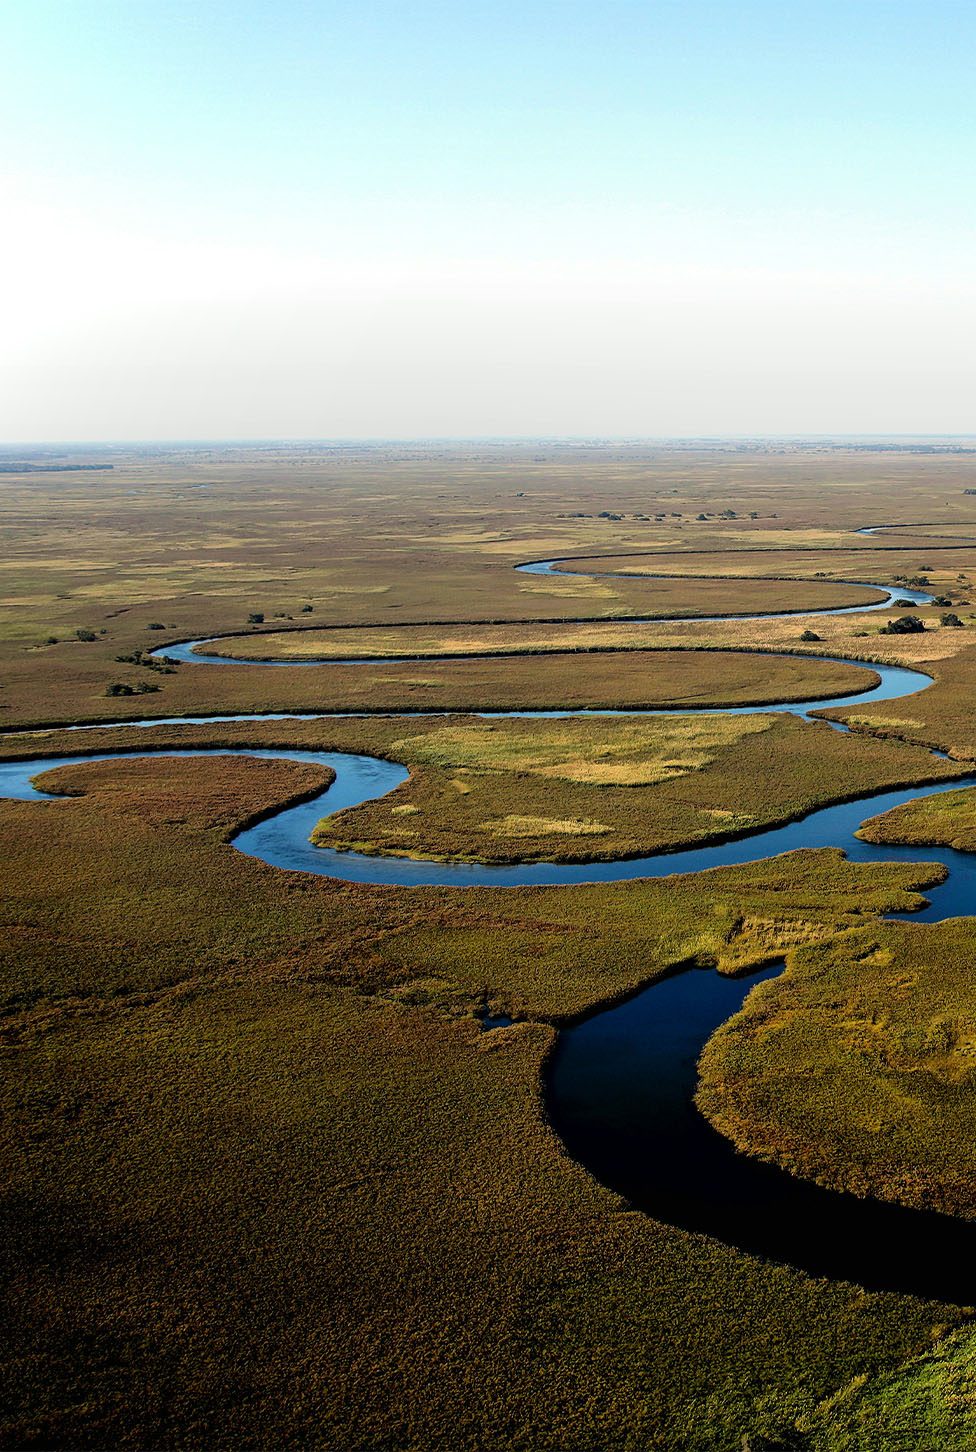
84	634
904	625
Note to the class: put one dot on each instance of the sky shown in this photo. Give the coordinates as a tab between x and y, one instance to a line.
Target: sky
419	219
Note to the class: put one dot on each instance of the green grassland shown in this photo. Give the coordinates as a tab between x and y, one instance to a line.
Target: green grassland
588	789
942	716
559	681
856	1067
267	1181
948	819
577	789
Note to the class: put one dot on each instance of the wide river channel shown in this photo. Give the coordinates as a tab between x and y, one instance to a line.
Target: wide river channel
620	1085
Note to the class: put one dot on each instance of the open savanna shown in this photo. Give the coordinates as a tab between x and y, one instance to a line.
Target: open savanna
268	1183
857	1066
869	558
197	540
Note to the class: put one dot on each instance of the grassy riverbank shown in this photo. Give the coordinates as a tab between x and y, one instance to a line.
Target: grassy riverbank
256	1111
856	1067
948	819
266	1181
598	789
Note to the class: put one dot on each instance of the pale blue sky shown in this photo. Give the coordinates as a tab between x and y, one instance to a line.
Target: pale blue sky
407	219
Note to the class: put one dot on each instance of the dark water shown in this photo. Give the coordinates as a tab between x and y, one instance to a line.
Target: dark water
620	1086
620	1095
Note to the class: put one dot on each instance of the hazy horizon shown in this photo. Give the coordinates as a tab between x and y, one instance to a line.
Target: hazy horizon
377	440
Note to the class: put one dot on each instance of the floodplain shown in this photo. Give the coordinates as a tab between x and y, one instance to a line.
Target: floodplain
270	1179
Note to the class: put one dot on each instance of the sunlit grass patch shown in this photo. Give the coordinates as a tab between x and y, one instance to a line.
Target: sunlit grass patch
624	752
949	819
516	826
884	721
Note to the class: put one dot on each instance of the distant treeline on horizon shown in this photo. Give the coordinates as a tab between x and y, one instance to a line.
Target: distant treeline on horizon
25	468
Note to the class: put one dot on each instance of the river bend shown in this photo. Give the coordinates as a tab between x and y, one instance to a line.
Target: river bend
620	1085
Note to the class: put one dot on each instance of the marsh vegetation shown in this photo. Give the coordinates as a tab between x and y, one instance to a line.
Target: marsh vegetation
253	1108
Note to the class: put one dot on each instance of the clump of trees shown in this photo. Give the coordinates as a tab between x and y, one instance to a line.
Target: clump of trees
164	664
904	625
122	688
86	635
255	618
810	635
950	619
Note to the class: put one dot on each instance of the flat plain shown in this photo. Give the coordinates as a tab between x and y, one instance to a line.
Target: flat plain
268	1180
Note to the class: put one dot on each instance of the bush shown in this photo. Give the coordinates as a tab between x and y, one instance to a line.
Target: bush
307	608
951	619
810	635
155	625
119	688
255	619
86	635
904	625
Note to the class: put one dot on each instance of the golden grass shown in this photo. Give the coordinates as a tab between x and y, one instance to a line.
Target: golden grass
630	752
516	826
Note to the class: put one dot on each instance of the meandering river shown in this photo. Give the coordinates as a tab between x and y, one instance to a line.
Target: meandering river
620	1085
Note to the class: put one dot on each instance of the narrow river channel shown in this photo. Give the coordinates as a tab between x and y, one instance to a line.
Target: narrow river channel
620	1085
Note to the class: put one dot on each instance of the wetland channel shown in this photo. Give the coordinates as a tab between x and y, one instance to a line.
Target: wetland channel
620	1084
